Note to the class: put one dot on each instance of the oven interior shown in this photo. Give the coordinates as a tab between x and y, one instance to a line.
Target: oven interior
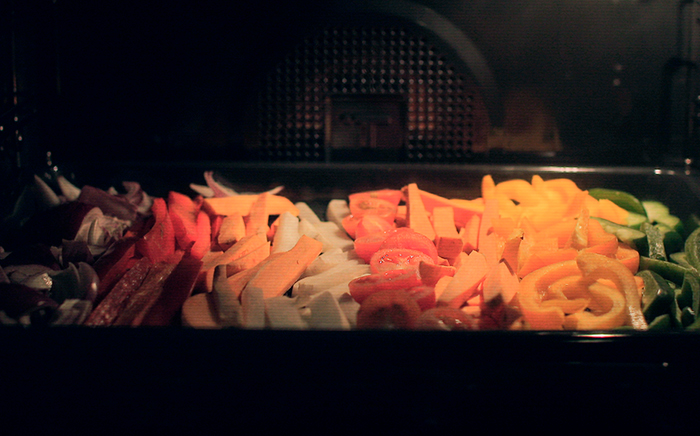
598	83
328	97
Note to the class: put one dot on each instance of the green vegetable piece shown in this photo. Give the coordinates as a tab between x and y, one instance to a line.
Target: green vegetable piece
695	326
681	258
673	241
658	213
655	240
662	322
692	249
658	298
632	237
655	210
623	199
691	223
691	292
687	317
634	220
668	270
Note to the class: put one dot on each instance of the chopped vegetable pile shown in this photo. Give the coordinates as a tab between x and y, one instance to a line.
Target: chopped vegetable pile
525	255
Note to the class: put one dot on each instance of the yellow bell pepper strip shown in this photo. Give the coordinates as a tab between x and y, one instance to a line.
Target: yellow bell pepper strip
591	292
533	290
595	266
612	314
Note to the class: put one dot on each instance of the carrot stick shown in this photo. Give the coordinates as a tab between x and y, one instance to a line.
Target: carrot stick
488	240
238	250
470	234
462	210
279	274
199	311
466	280
276	205
447	240
232	230
258	217
249	260
431	273
416	214
441	285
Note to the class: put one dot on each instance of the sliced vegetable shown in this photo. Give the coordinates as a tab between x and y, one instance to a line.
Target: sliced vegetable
658	296
417	216
387	259
623	199
364	286
279	274
241	204
392	309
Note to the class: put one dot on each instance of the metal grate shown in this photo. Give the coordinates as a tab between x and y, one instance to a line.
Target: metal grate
445	116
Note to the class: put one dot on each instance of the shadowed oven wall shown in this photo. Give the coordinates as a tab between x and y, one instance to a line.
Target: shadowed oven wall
368	93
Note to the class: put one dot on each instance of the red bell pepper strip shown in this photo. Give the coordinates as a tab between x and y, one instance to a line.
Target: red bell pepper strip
176	289
158	244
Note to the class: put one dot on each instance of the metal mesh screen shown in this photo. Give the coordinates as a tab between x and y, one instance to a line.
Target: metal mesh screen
445	116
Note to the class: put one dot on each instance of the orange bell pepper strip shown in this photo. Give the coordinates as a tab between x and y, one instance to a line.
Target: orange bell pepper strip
628	256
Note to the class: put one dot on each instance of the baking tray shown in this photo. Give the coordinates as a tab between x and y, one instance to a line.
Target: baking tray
331	382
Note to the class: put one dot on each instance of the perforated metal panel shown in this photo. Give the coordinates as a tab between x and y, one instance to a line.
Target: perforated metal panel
444	116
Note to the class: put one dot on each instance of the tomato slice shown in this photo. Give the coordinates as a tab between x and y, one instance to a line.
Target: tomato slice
424	296
367	245
393	196
364	286
388	259
350	223
369	224
373	206
412	240
388	309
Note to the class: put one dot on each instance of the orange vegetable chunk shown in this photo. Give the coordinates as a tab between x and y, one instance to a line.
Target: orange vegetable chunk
417	216
447	240
278	275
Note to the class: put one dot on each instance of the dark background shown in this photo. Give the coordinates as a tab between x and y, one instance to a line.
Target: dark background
173	79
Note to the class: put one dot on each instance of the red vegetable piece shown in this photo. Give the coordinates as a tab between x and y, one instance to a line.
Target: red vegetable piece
412	240
176	289
350	223
367	245
114	302
424	296
387	259
203	242
112	265
369	224
393	196
110	204
389	309
158	244
143	299
446	318
183	214
364	286
374	206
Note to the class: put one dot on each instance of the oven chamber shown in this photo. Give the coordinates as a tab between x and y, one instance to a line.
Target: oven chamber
327	98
